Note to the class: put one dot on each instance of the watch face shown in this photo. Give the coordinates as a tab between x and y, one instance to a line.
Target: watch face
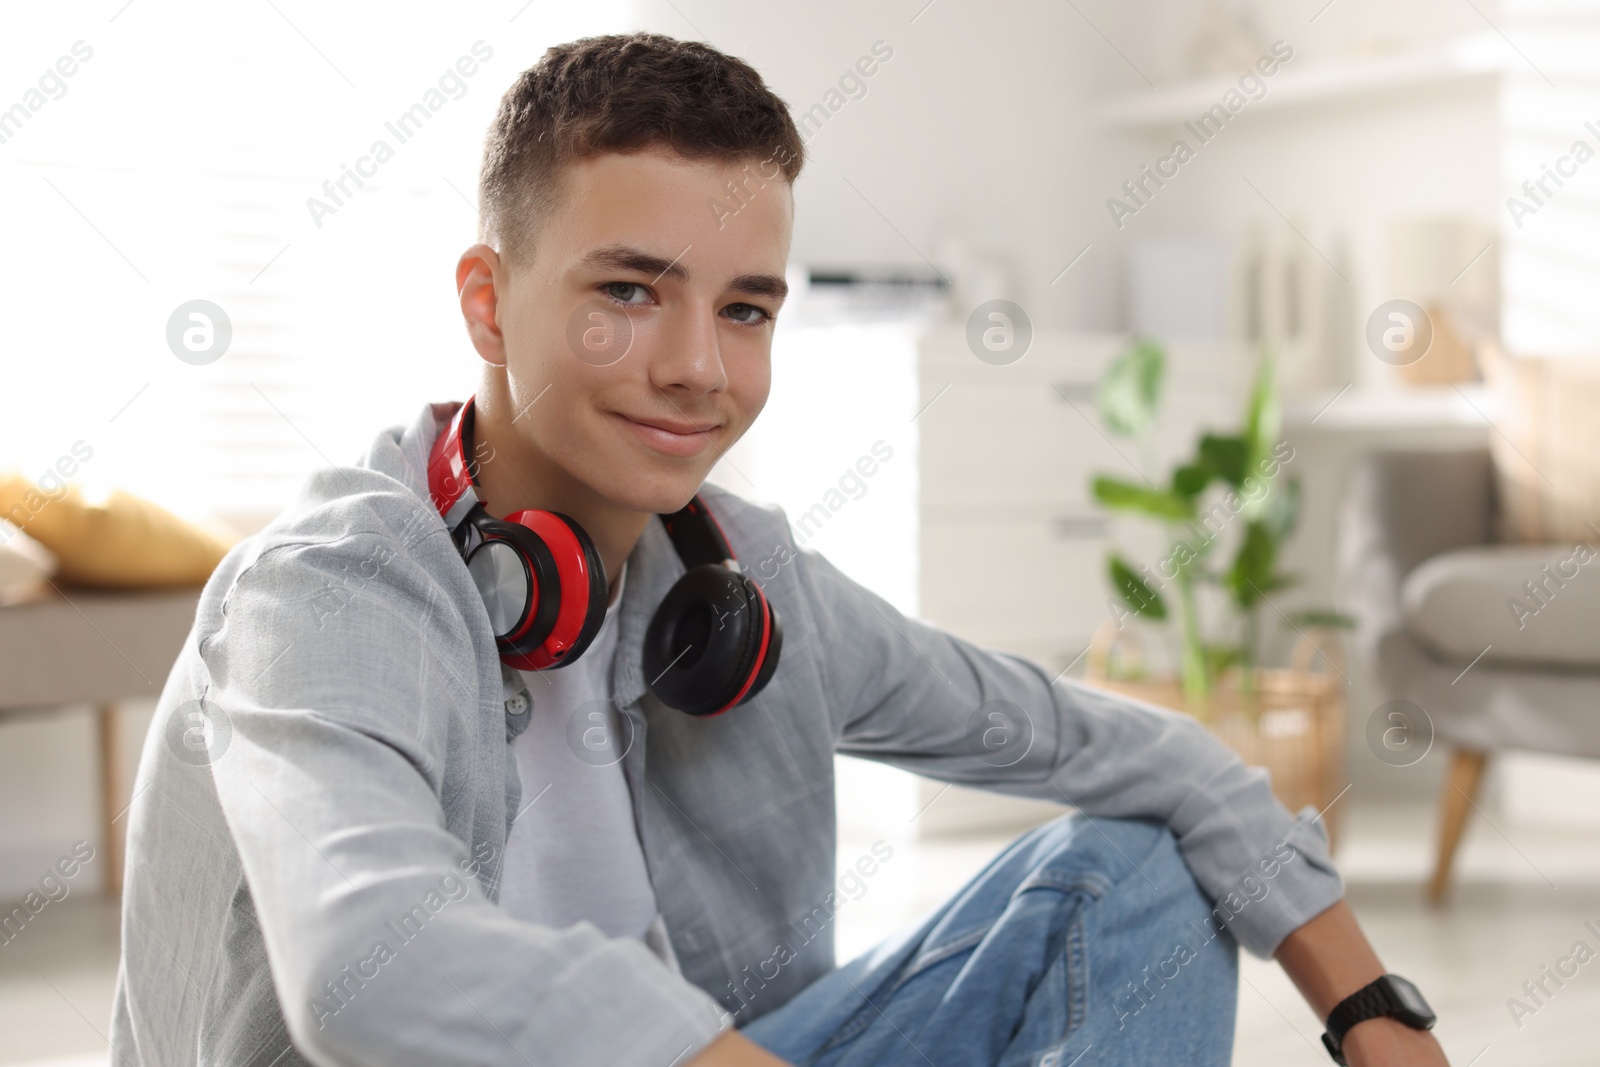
1410	1000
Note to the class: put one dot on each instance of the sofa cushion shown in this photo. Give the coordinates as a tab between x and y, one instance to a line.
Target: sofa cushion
1547	450
1529	605
111	539
25	565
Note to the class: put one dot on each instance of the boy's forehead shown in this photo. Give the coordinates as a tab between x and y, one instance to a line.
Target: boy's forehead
662	203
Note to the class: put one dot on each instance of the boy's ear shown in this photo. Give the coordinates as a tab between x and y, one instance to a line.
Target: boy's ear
476	282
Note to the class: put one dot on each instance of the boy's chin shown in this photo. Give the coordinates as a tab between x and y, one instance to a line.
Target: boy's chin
656	495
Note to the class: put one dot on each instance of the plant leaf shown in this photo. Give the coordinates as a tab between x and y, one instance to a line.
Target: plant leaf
1191	480
1135	591
1157	503
1321	617
1281	510
1130	389
1278	581
1227	457
1263	419
1250	577
1220	657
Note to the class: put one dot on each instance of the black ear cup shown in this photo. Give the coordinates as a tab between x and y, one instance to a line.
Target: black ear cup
703	651
517	577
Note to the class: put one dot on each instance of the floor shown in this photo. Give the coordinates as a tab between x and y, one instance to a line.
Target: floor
1524	895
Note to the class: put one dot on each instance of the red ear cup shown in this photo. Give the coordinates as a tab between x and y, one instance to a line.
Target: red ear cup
576	598
713	642
519	582
541	579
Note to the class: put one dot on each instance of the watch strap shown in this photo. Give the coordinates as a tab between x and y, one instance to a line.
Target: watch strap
1374	1000
1368	1002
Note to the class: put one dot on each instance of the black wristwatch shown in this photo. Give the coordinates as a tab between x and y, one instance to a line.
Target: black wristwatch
1390	995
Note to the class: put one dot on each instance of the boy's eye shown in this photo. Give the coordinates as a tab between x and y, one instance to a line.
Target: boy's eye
625	292
634	294
748	314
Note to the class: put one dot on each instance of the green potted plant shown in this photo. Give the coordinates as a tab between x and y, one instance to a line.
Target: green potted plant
1229	490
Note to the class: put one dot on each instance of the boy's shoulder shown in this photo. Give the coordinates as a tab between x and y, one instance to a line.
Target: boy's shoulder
382	497
358	576
362	527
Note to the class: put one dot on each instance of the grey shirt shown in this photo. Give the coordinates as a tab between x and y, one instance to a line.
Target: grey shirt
321	863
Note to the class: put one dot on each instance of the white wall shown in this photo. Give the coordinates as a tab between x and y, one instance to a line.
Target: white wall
976	128
1340	172
1552	255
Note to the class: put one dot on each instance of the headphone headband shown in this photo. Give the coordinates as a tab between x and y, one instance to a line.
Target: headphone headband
697	536
450	480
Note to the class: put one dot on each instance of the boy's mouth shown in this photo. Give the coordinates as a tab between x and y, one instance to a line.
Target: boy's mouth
671	436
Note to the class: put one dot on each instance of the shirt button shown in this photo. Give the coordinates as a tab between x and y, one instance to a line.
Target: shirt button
518	704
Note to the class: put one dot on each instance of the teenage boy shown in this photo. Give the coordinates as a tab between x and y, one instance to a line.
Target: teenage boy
487	751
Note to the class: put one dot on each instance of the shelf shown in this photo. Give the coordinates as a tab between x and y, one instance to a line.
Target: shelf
1420	408
1461	60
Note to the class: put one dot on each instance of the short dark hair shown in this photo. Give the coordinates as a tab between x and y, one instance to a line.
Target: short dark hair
622	93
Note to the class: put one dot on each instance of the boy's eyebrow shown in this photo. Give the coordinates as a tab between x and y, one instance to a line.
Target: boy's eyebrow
622	257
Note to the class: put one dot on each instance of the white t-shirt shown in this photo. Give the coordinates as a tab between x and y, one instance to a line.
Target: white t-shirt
573	851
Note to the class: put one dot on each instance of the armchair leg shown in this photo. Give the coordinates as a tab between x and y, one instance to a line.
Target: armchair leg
1460	791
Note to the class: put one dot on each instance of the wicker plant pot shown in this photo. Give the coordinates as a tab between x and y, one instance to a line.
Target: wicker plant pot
1293	725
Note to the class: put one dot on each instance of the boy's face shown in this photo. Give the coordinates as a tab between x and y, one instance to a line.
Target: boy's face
636	343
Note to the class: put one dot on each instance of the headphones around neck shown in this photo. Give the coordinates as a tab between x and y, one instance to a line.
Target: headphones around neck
712	644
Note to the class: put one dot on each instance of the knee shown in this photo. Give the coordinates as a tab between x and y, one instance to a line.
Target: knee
1136	859
1117	848
1177	899
1166	941
1158	893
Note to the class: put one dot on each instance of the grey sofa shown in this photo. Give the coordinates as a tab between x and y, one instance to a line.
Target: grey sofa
1498	644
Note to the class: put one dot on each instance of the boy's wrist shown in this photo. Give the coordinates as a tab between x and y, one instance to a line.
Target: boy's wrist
733	1049
1386	1042
1328	958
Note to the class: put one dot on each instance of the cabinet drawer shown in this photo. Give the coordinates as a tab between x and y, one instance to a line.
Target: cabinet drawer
1012	584
1030	434
986	446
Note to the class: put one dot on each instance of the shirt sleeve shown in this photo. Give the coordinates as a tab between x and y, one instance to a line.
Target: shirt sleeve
911	695
382	944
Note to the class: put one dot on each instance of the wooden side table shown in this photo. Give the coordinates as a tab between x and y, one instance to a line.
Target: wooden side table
79	646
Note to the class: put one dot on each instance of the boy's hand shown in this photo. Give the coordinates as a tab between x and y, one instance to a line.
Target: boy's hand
733	1049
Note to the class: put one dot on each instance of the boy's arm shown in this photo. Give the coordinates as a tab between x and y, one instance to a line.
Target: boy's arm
382	946
914	696
906	693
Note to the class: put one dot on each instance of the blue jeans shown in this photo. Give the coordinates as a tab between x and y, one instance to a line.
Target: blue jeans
1084	942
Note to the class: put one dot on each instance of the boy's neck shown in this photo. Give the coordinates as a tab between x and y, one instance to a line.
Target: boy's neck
514	475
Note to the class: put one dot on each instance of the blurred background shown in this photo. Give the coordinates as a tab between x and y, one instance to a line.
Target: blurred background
1045	256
